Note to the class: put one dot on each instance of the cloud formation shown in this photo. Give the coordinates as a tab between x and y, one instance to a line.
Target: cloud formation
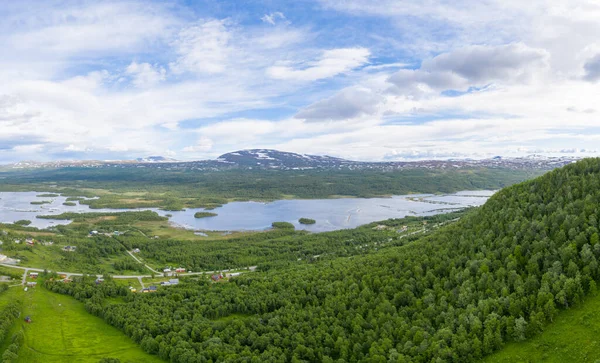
357	79
331	63
592	69
347	104
473	66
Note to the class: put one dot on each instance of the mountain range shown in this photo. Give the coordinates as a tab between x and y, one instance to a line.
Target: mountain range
280	160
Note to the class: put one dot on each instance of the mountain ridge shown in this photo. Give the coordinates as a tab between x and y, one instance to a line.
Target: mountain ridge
270	159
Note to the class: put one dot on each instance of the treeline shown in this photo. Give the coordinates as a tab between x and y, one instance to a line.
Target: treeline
11	354
499	274
8	314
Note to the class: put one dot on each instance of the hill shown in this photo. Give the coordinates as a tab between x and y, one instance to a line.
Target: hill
498	275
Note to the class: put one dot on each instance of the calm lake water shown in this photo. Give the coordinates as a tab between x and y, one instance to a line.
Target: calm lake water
330	214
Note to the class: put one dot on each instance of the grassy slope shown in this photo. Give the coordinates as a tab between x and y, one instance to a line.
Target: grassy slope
573	337
62	331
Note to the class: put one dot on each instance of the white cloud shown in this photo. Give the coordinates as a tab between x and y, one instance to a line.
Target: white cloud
203	48
204	144
331	63
145	75
272	18
592	69
349	103
83	27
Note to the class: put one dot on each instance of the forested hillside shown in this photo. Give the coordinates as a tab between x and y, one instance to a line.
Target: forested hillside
499	274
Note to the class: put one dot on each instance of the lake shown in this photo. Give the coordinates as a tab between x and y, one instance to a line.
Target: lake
330	214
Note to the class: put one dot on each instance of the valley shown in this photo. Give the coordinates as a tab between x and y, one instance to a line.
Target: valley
450	286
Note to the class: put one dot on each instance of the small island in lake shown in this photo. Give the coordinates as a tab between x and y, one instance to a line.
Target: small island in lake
306	221
204	214
282	225
47	195
23	222
40	202
70	204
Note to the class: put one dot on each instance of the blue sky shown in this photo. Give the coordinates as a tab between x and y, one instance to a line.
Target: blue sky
366	80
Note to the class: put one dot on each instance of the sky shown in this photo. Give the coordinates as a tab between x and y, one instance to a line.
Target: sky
360	79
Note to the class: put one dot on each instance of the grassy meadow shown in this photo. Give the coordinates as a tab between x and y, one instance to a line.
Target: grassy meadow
573	337
62	331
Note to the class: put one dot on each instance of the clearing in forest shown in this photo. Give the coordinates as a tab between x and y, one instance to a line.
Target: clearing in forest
62	331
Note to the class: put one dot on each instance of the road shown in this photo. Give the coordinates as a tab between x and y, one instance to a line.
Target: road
139	277
141	263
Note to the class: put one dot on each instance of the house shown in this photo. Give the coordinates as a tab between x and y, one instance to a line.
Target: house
69	248
94	232
180	270
66	281
30	241
31	283
152	288
234	274
17	241
137	250
170	282
99	281
145	290
33	275
167	270
216	277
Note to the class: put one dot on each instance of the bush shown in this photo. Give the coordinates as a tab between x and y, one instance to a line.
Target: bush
23	222
307	221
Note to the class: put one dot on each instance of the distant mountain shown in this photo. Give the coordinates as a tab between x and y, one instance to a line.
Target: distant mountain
268	159
273	159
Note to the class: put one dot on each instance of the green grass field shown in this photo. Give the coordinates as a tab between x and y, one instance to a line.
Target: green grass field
62	331
573	337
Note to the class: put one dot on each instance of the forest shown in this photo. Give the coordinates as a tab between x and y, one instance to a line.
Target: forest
499	274
177	189
278	247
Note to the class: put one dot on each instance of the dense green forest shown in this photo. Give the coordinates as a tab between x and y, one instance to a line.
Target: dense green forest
278	247
178	189
499	274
